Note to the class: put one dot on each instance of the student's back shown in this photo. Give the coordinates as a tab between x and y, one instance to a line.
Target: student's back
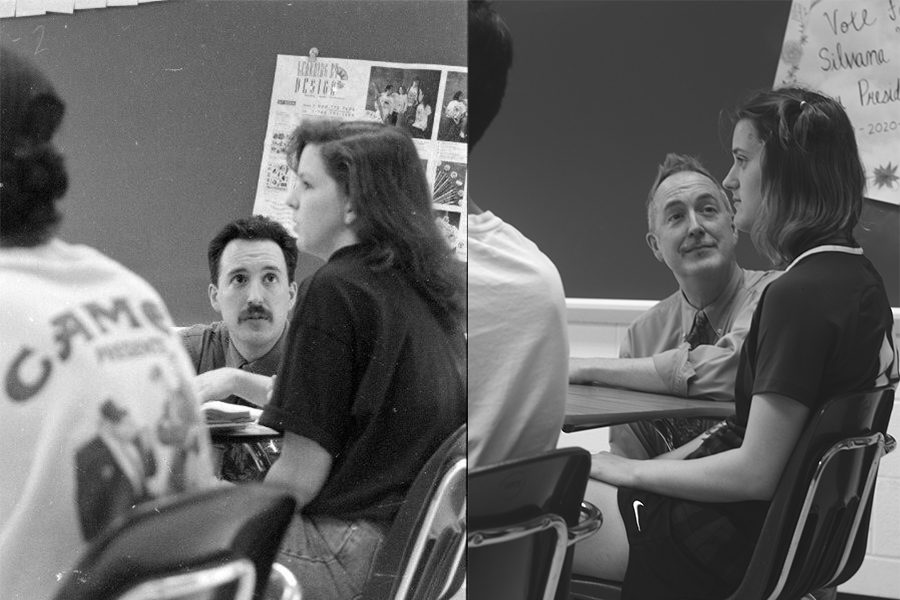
97	414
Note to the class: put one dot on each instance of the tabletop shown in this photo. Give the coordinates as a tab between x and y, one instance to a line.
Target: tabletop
249	432
590	406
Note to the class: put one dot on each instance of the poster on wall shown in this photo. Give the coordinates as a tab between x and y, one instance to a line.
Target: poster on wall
851	51
429	102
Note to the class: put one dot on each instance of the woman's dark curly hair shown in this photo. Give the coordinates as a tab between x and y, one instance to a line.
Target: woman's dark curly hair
32	173
379	168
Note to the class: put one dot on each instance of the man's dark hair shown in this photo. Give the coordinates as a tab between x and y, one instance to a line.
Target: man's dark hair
490	57
255	228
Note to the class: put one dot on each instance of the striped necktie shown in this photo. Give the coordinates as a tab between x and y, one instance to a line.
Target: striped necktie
701	331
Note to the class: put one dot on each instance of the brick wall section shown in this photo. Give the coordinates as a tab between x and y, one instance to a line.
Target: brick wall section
595	329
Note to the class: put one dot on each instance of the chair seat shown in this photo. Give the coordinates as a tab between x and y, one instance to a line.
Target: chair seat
524	517
190	535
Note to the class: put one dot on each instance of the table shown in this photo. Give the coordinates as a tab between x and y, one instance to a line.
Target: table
251	432
590	406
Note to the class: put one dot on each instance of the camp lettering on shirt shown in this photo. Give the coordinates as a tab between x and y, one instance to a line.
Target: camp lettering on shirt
97	411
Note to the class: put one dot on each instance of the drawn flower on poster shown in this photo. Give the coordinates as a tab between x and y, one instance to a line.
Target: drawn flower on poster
792	52
449	183
886	176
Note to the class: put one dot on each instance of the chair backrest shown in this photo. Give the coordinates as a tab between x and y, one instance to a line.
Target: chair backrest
226	537
529	504
815	531
422	556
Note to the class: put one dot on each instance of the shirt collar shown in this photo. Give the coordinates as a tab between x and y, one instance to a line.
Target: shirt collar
825	248
266	364
715	311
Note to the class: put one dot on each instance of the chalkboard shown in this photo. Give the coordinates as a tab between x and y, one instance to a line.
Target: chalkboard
598	94
167	111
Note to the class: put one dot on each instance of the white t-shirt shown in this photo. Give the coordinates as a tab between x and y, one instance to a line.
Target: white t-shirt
97	413
423	111
518	344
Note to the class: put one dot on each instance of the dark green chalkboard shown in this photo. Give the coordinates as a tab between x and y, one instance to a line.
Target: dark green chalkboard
598	94
167	111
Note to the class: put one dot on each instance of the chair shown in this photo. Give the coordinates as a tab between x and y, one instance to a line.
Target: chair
815	532
524	516
422	556
217	544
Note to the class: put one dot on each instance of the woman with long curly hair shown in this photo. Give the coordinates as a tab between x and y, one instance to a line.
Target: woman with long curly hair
373	375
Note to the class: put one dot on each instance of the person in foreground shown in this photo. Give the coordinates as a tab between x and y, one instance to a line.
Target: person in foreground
518	337
373	376
688	344
97	411
687	528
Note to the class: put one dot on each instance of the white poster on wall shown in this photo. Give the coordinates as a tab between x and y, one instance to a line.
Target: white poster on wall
429	102
850	49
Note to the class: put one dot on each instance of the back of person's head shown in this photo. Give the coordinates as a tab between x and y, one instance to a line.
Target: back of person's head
33	173
680	163
379	169
255	228
813	181
490	57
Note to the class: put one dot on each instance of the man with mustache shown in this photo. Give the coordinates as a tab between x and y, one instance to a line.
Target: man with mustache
251	266
689	343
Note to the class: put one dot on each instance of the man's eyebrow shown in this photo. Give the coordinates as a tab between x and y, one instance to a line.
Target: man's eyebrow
708	196
673	203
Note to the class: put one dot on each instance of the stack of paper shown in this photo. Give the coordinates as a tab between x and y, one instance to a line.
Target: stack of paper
217	412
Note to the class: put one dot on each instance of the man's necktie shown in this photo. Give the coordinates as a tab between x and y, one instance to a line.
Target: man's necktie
701	332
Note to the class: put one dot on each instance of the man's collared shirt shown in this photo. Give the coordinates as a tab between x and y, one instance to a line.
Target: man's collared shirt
210	347
707	371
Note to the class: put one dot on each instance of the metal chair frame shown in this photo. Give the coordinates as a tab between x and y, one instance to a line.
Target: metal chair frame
535	506
450	478
239	572
590	521
416	562
884	445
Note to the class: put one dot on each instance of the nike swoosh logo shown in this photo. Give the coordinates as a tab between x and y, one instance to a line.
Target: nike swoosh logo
637	519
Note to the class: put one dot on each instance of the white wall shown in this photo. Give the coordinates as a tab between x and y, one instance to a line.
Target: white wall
595	329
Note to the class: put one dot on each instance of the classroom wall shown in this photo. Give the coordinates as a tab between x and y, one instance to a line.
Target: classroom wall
167	110
598	94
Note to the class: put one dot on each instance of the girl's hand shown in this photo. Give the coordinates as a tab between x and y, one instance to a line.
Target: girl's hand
612	469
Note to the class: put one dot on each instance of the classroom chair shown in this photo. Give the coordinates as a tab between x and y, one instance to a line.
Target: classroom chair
217	544
423	554
815	532
524	517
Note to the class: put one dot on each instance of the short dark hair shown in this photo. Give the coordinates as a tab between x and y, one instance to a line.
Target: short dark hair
813	180
32	172
379	169
681	163
257	228
490	57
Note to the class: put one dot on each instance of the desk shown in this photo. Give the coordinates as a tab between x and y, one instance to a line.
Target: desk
252	432
590	406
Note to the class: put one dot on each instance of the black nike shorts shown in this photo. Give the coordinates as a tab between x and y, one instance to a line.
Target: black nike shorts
680	550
